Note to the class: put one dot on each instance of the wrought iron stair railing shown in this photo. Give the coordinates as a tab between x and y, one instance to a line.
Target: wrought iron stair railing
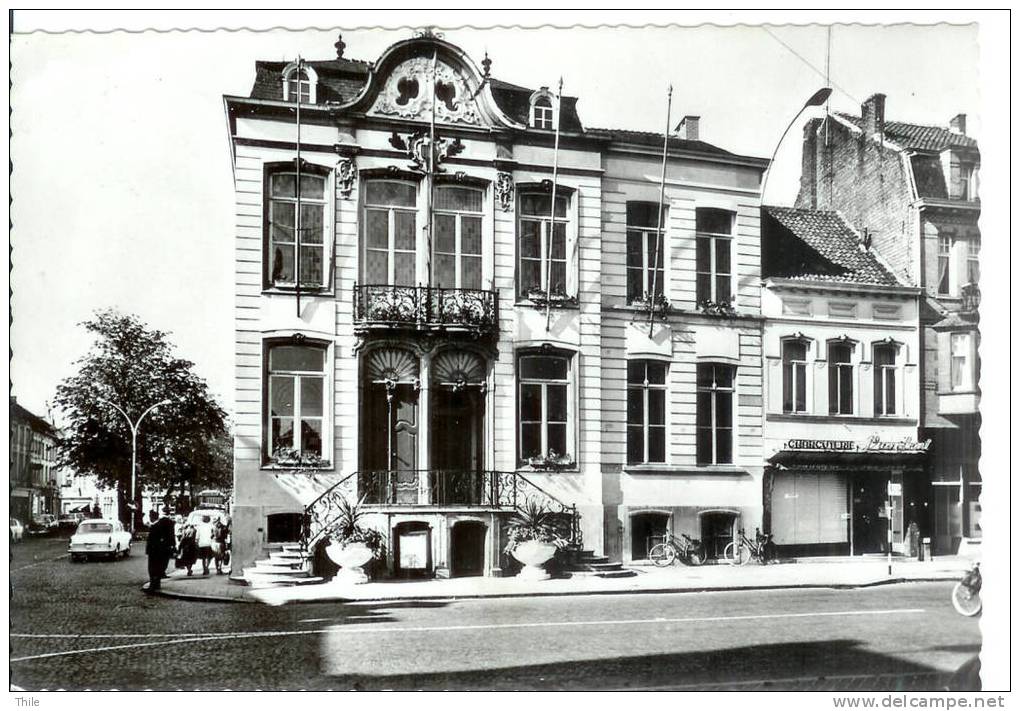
503	490
426	308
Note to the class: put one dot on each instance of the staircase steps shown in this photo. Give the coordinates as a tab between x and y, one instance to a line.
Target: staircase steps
287	566
586	564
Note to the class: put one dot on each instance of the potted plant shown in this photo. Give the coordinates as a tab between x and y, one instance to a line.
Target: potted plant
533	537
352	545
553	460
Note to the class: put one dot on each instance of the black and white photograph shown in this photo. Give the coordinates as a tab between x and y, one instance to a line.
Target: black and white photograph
510	351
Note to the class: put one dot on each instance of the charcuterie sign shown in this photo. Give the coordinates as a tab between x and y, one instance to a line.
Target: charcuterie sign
873	444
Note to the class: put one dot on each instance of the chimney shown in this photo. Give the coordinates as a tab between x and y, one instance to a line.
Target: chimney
873	114
809	166
688	128
958	124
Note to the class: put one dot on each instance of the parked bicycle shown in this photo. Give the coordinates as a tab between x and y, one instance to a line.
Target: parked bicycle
742	550
967	593
691	551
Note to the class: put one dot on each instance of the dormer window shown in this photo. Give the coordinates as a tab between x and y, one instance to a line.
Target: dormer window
962	179
299	83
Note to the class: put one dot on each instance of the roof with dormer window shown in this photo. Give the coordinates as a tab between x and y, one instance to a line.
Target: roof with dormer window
918	137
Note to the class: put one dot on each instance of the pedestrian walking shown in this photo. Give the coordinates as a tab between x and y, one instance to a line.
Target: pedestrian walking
188	552
159	547
204	530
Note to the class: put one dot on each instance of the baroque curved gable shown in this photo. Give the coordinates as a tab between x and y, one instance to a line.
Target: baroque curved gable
406	93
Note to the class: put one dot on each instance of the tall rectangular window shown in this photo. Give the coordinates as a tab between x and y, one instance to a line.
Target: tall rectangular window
841	379
960	367
713	255
885	379
715	414
544	409
542	252
390	238
297	401
973	261
646	412
645	265
284	224
458	243
794	376
945	264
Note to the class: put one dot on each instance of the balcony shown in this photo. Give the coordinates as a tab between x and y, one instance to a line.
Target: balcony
425	308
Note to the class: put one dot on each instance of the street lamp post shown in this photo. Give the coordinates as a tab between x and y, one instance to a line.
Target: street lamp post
134	445
817	99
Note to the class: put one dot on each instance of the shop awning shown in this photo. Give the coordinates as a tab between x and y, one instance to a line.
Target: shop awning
855	460
306	487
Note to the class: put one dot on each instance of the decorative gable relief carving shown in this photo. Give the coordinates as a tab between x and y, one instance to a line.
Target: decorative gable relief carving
406	94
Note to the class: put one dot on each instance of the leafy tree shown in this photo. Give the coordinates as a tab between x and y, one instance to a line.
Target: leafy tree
135	367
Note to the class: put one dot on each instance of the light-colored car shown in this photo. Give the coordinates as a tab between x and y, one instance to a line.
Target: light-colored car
208	516
99	537
17	531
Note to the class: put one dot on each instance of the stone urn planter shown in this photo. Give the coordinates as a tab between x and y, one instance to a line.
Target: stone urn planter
533	555
350	559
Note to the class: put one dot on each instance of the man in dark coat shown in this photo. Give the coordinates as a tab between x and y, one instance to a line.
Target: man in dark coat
159	547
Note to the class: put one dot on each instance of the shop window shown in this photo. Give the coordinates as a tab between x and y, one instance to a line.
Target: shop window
841	379
296	397
542	247
885	379
645	250
544	408
646	412
458	243
713	255
390	233
294	216
794	376
960	362
715	413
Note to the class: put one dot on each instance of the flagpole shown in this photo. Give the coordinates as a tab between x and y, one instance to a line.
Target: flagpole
297	193
431	174
658	229
552	210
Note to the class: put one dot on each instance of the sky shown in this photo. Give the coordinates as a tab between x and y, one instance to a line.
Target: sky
122	187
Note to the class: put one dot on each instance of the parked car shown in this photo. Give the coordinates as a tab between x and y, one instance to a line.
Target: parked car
41	524
99	537
208	516
70	520
17	531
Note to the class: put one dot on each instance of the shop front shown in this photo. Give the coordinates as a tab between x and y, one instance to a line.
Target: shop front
845	497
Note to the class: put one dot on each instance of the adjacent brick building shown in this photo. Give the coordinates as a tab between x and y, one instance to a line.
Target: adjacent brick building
912	191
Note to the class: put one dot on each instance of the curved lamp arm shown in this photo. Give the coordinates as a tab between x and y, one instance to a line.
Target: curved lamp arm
817	99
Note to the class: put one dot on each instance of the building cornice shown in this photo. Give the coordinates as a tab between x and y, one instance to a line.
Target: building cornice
842	287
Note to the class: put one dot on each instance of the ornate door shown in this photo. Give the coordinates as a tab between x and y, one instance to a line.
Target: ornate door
458	413
390	426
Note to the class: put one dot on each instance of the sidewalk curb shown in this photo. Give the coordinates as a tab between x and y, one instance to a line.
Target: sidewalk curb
560	593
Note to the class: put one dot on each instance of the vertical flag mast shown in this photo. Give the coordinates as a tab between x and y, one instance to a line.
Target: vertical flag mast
431	173
552	209
297	193
662	200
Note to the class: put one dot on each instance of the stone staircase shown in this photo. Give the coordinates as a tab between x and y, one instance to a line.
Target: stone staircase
584	563
286	567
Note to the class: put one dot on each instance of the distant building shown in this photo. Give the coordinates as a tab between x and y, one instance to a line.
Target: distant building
33	465
842	365
912	191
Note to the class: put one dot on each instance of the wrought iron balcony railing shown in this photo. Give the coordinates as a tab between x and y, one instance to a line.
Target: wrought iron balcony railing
426	308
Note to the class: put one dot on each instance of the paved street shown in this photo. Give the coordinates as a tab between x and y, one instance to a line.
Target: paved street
80	626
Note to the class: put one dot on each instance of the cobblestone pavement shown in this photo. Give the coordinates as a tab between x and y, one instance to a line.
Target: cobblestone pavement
79	626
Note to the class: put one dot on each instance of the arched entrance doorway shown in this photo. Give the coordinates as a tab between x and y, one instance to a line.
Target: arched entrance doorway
467	549
717	531
646	530
458	414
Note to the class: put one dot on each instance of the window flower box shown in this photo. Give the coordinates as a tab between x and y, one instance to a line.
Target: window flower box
551	462
717	308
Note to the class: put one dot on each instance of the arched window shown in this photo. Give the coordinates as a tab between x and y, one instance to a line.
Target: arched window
299	83
297	397
542	113
795	376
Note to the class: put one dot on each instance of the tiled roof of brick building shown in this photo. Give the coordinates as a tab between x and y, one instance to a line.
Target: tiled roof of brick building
817	245
918	137
650	138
